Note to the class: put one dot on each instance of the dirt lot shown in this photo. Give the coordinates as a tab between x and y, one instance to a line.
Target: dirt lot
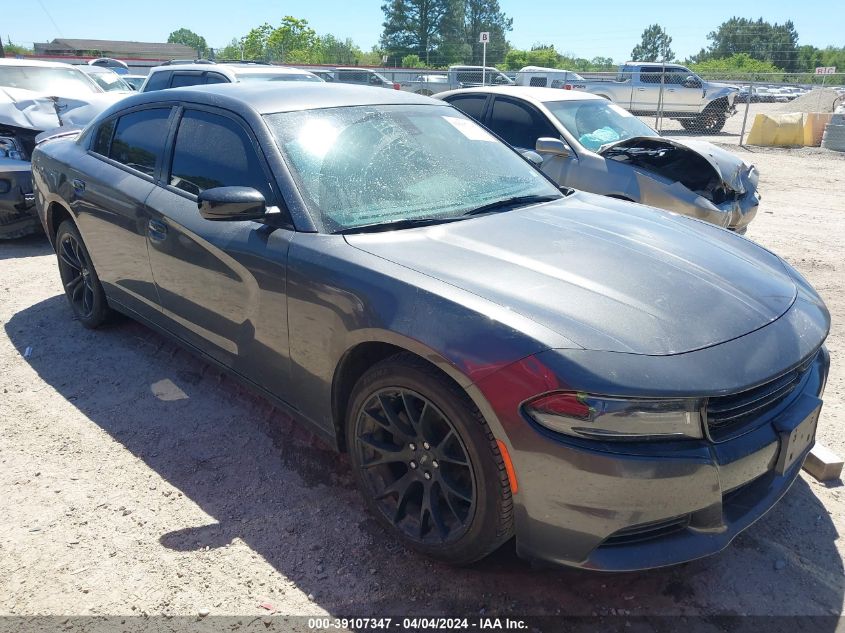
137	480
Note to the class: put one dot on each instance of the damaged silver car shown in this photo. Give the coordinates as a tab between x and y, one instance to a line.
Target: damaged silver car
37	96
586	142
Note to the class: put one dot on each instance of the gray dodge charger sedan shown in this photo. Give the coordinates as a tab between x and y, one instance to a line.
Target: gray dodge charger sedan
614	386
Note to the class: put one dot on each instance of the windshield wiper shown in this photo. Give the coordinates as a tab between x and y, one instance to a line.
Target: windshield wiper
508	203
404	223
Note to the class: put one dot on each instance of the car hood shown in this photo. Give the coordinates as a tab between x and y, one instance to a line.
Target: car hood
730	168
31	110
606	274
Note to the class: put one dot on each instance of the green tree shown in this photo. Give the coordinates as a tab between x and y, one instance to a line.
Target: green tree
254	43
741	63
654	46
231	51
485	15
189	38
292	41
413	27
413	61
775	43
336	51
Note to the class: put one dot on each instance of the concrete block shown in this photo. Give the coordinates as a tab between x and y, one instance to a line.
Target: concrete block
823	464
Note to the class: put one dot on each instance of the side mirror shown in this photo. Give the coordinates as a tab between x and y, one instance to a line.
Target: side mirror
232	204
553	146
532	157
691	82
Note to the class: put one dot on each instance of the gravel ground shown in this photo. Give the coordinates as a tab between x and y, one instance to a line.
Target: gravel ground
138	480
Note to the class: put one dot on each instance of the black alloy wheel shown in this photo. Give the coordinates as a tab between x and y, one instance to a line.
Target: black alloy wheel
75	270
79	278
416	466
428	466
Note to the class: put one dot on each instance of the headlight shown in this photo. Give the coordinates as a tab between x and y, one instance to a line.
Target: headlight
10	148
609	418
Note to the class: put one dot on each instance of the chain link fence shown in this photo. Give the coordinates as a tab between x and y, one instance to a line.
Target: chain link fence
670	98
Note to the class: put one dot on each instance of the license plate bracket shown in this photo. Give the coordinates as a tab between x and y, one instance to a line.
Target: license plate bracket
794	441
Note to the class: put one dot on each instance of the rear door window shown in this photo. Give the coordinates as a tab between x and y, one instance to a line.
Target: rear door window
158	81
139	139
212	150
186	79
471	105
519	124
216	78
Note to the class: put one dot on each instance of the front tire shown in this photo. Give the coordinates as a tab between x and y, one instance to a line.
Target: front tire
82	287
427	463
709	122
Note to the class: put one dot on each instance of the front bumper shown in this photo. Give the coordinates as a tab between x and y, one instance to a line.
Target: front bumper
18	216
623	507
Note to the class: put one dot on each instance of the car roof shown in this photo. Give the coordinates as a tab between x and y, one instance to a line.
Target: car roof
267	98
234	68
527	93
12	61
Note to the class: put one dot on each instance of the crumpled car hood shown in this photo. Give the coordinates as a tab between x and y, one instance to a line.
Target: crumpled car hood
31	110
606	274
729	167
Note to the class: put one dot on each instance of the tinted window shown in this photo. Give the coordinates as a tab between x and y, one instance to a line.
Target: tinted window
214	151
186	79
157	81
215	78
472	106
139	139
518	124
103	138
538	82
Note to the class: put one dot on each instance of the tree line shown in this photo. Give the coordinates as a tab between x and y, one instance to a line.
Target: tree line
438	33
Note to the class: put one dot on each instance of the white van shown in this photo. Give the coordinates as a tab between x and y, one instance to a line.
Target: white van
540	77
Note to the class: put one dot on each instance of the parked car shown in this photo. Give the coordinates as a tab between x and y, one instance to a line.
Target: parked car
325	75
135	81
540	77
643	87
587	143
363	77
468	337
431	84
36	96
106	78
202	73
119	67
460	77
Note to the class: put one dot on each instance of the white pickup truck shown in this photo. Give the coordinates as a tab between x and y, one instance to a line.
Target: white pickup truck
641	87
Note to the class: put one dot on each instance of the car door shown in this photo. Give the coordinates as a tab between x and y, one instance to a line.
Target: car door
110	184
646	89
520	124
221	283
683	98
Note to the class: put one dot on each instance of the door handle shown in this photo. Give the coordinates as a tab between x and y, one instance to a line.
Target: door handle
670	90
640	89
157	230
78	185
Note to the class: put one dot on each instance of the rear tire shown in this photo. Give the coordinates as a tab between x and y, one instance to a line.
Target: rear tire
426	462
82	286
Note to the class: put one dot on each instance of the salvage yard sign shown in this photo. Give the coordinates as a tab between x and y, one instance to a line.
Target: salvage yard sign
826	70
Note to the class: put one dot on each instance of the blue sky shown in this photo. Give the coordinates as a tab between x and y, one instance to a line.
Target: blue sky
608	28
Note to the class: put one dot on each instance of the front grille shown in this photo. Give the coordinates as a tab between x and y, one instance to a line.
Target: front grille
727	414
647	531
